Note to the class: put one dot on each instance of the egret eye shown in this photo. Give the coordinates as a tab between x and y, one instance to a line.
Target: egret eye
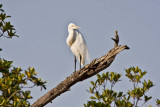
72	25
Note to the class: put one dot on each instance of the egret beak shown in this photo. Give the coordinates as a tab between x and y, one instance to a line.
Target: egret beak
76	27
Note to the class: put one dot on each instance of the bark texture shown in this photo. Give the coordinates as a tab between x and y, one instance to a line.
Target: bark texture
87	71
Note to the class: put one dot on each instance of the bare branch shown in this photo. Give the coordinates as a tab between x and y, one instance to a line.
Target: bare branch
13	95
86	72
1	34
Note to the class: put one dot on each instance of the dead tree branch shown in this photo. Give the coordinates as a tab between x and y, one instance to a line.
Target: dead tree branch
87	71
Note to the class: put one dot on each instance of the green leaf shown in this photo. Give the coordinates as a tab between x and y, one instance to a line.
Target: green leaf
136	69
98	76
158	102
92	97
146	98
120	94
103	75
92	83
8	16
97	95
9	91
0	5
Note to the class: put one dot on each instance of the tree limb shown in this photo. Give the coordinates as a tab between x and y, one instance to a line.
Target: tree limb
86	72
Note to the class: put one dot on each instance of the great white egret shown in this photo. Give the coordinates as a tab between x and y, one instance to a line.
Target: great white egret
77	44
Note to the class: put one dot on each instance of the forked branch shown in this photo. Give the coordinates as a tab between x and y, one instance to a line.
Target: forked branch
87	71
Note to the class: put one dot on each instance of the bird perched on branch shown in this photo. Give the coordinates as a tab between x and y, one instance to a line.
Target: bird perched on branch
77	44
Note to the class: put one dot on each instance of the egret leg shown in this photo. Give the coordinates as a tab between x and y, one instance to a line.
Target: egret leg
80	61
75	63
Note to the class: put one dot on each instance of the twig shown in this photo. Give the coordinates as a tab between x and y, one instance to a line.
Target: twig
134	94
137	102
13	94
143	104
1	34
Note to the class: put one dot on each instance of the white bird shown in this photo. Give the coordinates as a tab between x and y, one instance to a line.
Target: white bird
77	44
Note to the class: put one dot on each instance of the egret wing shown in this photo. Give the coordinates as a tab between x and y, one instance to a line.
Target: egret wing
82	47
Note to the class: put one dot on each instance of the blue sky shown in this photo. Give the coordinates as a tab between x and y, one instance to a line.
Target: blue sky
42	27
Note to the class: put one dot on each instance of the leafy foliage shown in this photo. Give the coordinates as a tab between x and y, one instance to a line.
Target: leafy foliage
158	102
107	97
6	28
14	82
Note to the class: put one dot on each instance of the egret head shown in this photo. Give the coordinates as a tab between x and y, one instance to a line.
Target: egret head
72	26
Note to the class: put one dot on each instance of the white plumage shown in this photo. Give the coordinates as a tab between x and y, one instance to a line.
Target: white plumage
77	44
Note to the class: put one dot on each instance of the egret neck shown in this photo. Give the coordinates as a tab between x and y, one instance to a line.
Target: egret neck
71	38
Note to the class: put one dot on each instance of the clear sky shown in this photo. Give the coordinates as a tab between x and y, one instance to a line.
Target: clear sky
42	27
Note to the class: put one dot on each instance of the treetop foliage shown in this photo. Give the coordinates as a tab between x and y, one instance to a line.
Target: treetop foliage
14	81
6	28
103	95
